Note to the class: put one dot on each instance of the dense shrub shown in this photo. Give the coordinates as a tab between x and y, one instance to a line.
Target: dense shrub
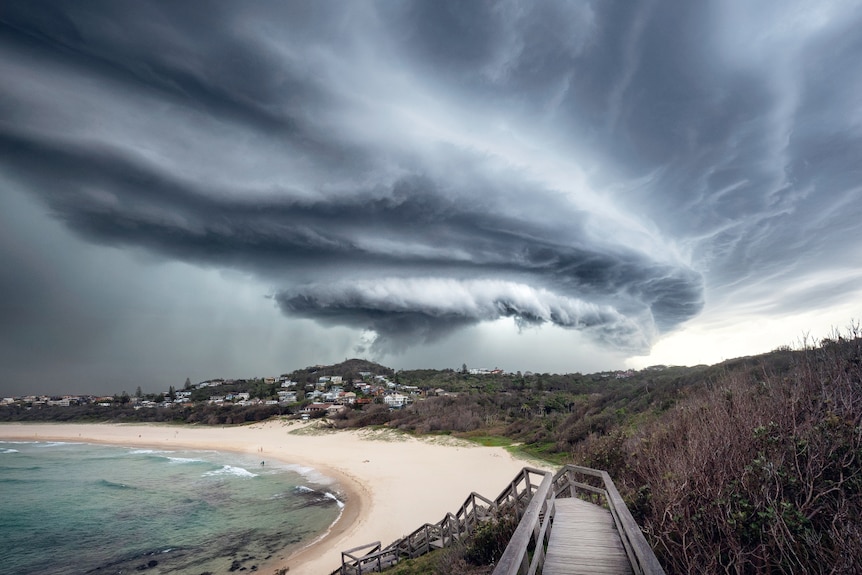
760	473
490	539
372	414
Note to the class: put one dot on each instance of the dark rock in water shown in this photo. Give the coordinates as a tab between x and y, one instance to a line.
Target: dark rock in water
235	565
143	567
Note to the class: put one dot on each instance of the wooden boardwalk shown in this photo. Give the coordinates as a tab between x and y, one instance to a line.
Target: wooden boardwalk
584	540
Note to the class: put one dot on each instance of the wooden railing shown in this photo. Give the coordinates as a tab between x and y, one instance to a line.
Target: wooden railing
515	499
534	530
531	497
531	531
371	560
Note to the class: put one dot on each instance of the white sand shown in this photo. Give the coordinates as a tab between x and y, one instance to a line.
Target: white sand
391	484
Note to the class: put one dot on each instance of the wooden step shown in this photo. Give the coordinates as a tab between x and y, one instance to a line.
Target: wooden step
584	540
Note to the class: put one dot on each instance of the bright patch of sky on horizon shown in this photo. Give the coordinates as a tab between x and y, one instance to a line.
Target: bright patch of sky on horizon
240	189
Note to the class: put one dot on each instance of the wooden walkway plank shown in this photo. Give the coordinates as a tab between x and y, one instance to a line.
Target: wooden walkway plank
584	540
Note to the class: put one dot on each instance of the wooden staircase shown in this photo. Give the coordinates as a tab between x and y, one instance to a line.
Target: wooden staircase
571	523
454	527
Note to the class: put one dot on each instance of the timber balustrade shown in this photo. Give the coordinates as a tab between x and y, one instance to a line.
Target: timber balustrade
458	526
531	497
525	554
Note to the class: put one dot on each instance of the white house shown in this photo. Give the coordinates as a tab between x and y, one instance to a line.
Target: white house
396	400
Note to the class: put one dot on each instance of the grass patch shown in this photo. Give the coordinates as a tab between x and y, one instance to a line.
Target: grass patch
542	453
381	433
489	440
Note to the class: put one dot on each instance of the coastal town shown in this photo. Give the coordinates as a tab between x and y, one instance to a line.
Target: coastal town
322	395
313	392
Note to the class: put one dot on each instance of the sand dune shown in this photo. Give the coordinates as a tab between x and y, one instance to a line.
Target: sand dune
391	483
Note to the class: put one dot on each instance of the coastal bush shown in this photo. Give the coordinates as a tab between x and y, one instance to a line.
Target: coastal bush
759	473
371	414
489	540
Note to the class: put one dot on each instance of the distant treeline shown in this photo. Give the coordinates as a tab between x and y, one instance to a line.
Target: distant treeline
122	413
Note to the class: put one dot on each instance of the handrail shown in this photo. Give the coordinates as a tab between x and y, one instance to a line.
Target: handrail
543	535
453	527
646	561
514	559
533	531
373	559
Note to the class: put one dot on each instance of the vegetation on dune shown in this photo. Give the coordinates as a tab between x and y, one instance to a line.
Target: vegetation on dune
760	472
474	557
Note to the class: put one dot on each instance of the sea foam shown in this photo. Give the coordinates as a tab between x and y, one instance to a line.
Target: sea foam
230	470
332	496
184	460
310	473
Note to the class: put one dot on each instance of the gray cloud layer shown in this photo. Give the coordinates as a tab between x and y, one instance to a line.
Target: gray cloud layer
414	168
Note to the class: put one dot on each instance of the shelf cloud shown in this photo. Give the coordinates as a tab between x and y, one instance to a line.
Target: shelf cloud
413	170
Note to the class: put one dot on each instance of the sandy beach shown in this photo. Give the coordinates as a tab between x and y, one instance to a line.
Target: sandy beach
390	483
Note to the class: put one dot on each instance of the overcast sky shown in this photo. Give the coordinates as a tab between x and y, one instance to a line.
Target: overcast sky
236	189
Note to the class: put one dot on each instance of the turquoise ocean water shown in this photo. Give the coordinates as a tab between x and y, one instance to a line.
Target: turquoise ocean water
69	508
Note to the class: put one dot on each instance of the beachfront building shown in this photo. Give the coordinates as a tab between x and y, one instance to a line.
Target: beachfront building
314	408
397	400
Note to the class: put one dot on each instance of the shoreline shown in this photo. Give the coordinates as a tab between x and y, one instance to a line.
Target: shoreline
390	483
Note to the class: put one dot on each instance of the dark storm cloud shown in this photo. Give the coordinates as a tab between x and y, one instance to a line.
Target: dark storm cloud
407	231
415	168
